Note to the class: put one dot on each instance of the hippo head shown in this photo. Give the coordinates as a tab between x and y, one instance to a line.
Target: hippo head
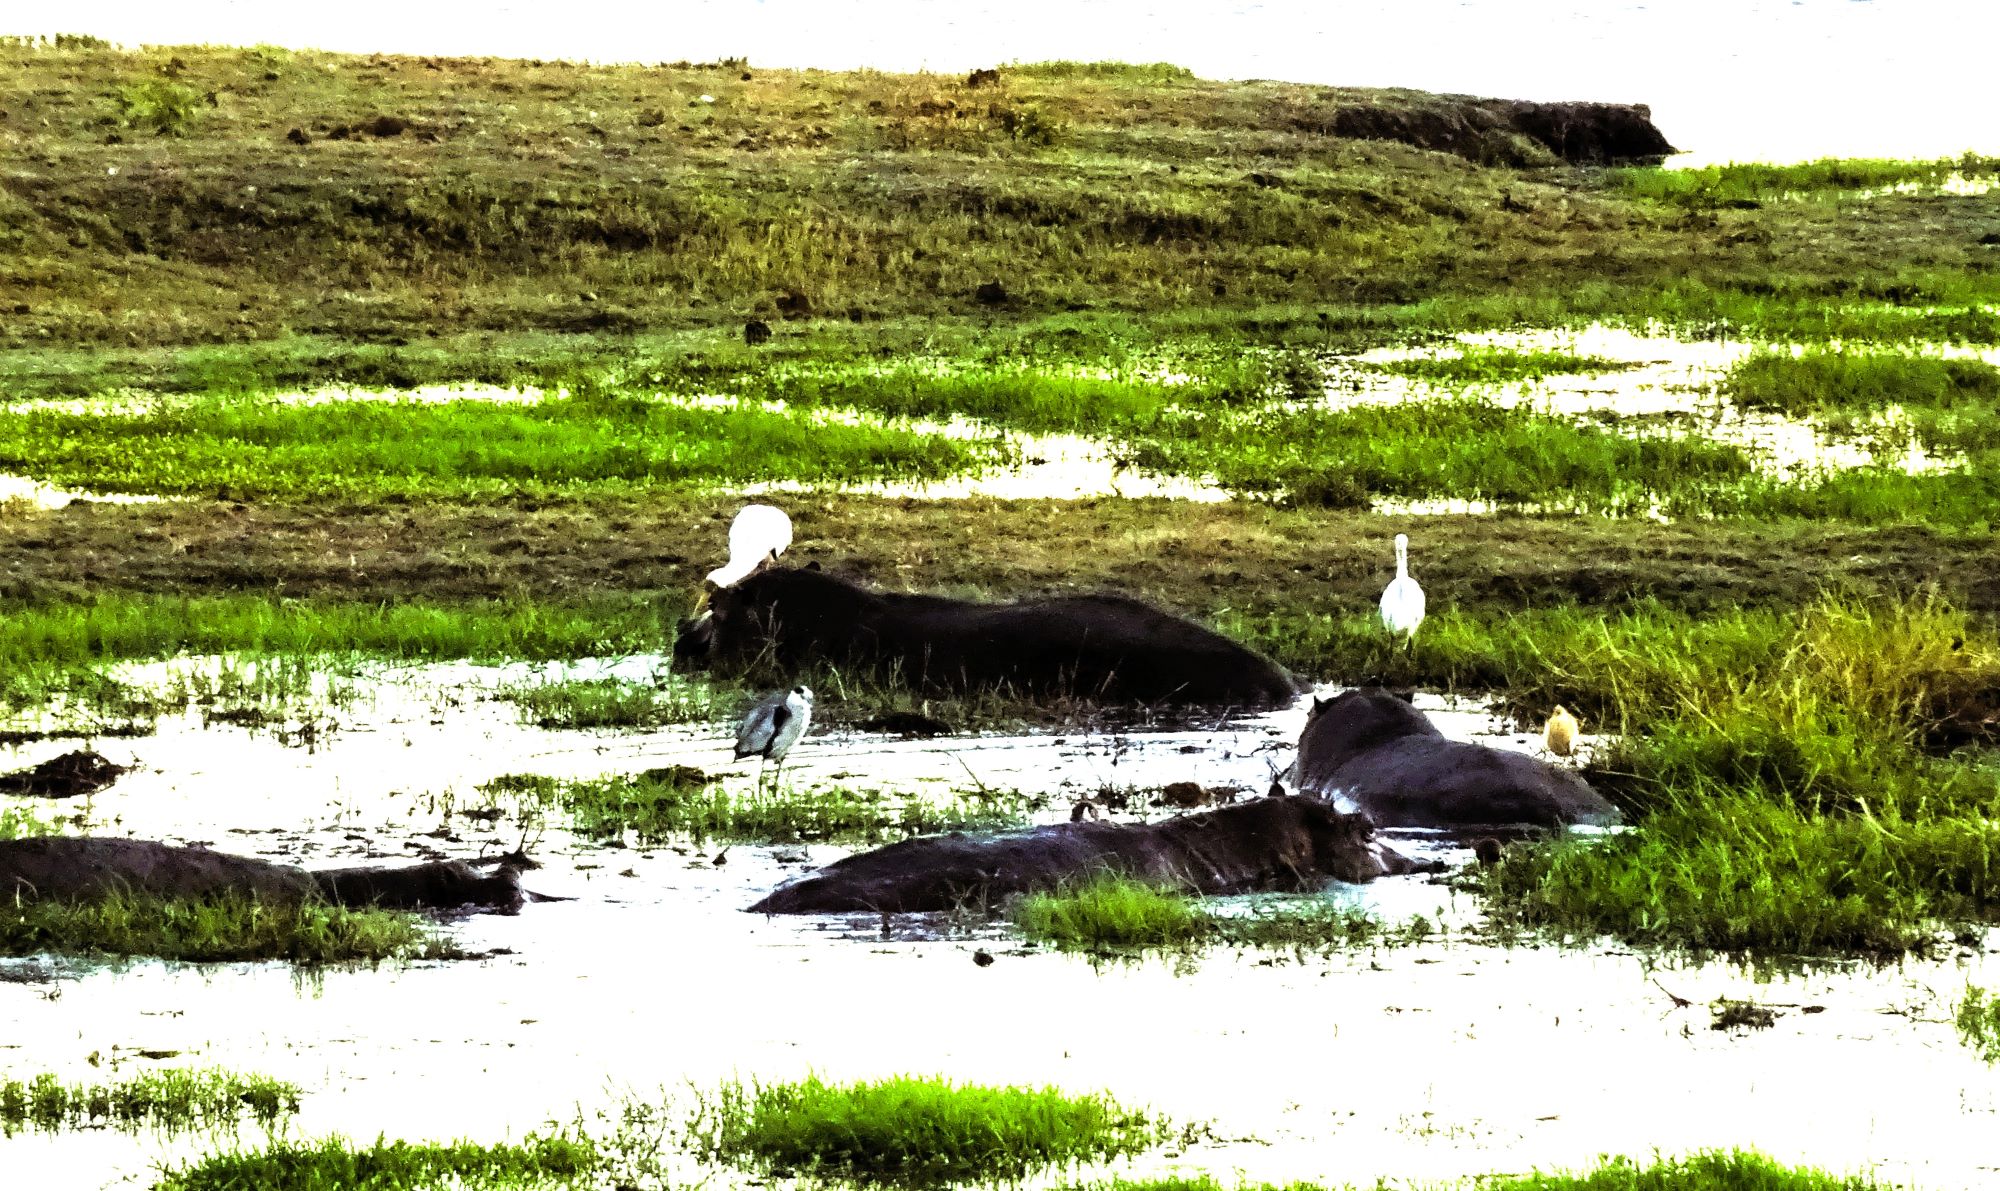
1352	723
1343	845
784	614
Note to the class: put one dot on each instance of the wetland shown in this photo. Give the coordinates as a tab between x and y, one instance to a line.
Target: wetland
369	423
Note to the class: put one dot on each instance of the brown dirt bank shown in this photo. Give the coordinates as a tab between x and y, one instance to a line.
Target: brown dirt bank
1200	559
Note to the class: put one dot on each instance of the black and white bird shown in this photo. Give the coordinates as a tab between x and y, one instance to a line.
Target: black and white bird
773	726
1403	600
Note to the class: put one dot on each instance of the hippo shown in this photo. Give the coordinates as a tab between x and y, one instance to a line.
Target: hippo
89	868
1278	843
1372	752
1102	647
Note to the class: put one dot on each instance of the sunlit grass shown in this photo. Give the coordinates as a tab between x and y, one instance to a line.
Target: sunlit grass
1492	366
1111	912
911	1130
337	1165
216	929
172	1099
612	703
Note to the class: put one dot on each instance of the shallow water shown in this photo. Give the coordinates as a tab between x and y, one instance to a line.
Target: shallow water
1418	1062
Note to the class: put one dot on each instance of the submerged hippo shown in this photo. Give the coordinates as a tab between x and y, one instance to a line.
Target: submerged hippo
1101	647
1372	751
1281	843
87	868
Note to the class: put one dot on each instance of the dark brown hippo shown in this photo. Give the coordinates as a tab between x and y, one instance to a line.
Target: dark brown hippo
1372	752
1101	647
1282	843
88	868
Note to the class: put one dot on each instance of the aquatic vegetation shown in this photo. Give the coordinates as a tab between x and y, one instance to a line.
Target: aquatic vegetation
1718	1170
25	822
333	1164
1112	912
1476	365
1746	184
254	449
1978	1022
1946	404
1458	448
172	1099
217	929
682	803
612	703
910	1130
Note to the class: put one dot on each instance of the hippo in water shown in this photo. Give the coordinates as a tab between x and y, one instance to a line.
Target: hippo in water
1373	752
1102	647
1283	843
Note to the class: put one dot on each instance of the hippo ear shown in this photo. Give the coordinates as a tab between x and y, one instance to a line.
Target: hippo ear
813	565
1319	704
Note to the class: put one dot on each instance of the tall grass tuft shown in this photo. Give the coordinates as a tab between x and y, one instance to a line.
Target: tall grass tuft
1112	913
334	1165
915	1131
159	106
1978	1022
216	929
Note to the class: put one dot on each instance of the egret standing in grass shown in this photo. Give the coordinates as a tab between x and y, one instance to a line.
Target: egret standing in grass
772	727
759	534
1403	600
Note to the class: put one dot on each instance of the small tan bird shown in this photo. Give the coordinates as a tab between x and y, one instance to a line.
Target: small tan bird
1561	732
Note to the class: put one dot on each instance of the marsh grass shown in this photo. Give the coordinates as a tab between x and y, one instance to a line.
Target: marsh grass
1475	365
25	822
337	1165
682	803
907	1130
1716	1170
217	929
1459	448
255	449
172	1099
1947	403
1978	1022
613	703
1111	912
1746	183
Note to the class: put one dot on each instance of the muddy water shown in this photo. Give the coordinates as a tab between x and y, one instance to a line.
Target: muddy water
1420	1062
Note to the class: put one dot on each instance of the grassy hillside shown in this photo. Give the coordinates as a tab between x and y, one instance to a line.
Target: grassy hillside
190	195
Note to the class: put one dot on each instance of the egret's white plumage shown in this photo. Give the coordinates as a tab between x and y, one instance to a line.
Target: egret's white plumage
1403	600
774	724
759	532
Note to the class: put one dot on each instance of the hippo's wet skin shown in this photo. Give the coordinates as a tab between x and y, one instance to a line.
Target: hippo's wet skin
1283	843
1374	753
1107	648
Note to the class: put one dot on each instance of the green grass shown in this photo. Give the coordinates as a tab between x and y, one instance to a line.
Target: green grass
1455	448
171	1099
913	1131
1752	182
25	822
1947	403
249	449
160	107
1116	913
1475	365
1978	1022
336	1165
218	929
679	803
613	703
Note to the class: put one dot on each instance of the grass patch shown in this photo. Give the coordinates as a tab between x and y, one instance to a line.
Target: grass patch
1457	448
612	703
159	106
1718	1170
1978	1022
1110	912
25	822
678	802
393	1166
1475	365
913	1131
1948	404
247	449
218	929
175	1099
1744	183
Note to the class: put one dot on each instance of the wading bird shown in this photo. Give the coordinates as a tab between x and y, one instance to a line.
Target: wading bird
1403	600
1561	731
759	534
772	727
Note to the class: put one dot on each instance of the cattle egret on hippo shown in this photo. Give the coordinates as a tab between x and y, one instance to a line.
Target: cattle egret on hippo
760	533
1403	600
772	727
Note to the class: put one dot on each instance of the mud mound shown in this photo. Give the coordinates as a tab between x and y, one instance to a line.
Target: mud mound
68	776
1504	131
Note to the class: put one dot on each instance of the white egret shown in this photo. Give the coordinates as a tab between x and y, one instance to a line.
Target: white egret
1403	600
1560	732
759	533
772	727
